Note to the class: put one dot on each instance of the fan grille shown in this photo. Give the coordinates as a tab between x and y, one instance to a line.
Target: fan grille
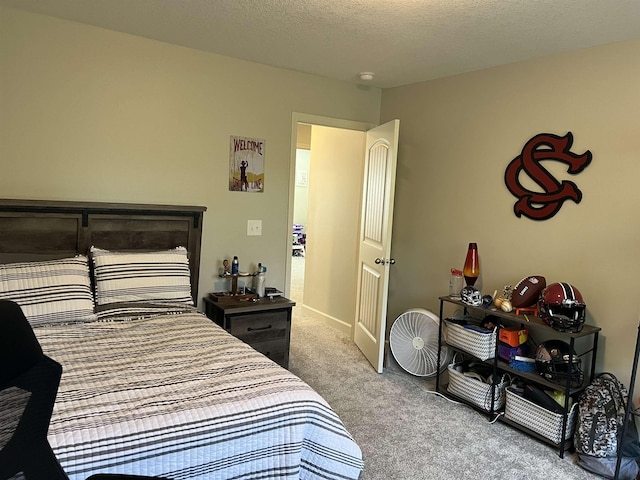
414	342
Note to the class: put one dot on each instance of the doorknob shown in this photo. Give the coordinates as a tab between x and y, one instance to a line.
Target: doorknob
389	261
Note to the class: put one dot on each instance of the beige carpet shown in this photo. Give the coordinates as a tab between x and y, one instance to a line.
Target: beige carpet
406	431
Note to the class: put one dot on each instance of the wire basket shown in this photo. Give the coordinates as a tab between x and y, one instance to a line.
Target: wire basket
475	391
537	418
481	345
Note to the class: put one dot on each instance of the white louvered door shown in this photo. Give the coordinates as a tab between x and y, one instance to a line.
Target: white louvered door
375	241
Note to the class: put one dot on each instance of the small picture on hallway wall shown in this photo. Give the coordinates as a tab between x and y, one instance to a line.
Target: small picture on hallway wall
246	164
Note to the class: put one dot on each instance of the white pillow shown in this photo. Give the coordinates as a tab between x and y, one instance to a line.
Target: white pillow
55	291
162	277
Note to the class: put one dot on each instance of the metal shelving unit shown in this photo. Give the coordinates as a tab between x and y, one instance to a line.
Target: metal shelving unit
532	323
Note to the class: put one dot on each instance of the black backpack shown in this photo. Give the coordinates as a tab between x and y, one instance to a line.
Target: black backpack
598	435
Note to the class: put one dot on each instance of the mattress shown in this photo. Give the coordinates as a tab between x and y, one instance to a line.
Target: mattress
179	397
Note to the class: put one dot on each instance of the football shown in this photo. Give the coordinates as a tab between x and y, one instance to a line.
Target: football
527	291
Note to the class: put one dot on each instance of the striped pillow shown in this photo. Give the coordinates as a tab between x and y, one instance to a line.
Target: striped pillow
161	277
55	291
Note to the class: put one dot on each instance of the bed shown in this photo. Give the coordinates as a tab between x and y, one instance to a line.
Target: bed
150	386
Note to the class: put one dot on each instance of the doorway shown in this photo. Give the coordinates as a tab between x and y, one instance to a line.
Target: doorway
300	213
326	276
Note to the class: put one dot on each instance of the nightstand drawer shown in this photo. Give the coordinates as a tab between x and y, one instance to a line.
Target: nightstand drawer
275	350
261	327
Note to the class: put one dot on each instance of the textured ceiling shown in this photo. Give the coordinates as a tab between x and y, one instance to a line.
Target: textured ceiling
401	41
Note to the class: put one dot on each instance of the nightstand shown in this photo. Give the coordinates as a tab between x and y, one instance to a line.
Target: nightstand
264	324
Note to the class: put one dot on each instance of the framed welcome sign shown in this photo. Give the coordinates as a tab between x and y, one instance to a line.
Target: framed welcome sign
246	164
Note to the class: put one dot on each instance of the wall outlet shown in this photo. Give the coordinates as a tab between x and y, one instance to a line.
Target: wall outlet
254	227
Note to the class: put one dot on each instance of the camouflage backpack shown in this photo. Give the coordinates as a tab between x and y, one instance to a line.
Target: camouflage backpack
601	409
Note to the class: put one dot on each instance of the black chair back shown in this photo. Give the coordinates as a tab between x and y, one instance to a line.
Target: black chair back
29	383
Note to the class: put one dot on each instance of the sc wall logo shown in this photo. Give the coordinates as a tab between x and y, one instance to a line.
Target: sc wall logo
542	205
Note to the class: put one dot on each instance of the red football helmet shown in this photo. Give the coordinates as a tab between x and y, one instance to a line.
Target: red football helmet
561	306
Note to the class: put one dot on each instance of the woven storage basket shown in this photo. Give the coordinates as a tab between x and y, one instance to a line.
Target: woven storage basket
537	418
475	391
480	345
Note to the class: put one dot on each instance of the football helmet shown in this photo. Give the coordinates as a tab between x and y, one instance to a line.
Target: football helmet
471	296
561	306
552	362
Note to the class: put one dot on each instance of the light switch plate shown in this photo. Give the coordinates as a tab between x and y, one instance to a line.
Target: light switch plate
254	227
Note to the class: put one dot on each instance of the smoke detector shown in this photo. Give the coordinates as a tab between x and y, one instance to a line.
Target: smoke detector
366	76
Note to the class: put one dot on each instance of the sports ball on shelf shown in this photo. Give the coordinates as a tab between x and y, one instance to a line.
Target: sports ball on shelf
527	291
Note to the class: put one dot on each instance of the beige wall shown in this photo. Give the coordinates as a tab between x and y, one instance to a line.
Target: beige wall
301	201
96	115
303	136
335	190
457	136
301	190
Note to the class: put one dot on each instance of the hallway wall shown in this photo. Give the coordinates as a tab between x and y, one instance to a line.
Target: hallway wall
335	186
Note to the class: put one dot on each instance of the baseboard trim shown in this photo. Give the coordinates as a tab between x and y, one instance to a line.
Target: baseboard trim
336	323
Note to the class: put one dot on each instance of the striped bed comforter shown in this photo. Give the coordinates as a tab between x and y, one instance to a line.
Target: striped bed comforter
179	397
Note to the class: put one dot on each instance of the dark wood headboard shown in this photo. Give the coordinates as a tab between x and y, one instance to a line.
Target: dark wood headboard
32	230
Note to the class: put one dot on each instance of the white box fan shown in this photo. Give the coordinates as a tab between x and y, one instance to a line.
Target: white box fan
414	342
